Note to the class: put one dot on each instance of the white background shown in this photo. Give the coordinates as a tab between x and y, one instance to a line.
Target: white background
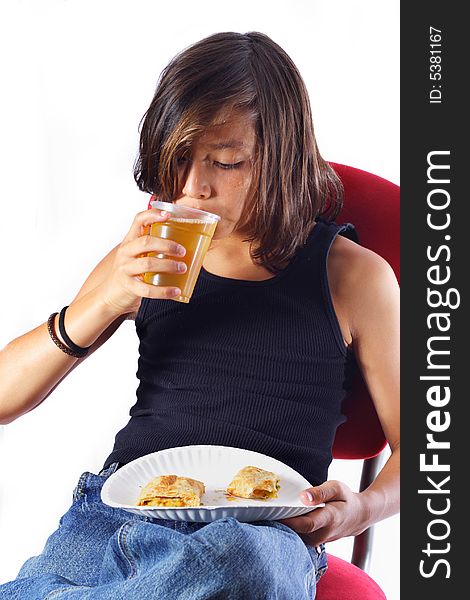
76	77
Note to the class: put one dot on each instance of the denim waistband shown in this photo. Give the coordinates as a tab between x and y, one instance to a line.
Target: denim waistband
110	469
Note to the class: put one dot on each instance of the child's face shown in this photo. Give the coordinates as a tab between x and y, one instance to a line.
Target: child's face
216	174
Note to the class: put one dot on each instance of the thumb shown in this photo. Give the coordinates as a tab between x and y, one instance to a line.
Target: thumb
326	492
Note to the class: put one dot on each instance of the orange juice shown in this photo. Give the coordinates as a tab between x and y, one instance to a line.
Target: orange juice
195	235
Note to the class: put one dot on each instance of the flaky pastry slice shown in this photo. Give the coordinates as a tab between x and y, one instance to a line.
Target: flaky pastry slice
171	490
256	483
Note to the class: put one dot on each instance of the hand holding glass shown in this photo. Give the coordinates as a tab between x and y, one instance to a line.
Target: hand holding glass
193	229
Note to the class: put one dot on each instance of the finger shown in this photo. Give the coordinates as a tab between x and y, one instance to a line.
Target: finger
320	536
302	524
149	243
326	492
145	219
312	521
148	290
151	264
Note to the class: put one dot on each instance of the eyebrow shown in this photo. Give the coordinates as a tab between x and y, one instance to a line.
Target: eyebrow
227	144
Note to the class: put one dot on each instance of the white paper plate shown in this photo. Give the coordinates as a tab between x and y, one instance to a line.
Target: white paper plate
215	466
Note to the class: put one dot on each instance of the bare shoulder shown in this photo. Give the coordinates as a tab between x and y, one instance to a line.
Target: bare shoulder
362	283
353	264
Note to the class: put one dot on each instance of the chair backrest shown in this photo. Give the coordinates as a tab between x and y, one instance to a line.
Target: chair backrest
372	204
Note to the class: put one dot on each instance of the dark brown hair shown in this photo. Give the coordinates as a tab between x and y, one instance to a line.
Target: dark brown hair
291	184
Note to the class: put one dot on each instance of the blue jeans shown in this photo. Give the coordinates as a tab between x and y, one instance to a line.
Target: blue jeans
99	552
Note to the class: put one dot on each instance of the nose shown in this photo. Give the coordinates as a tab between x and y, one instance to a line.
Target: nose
197	184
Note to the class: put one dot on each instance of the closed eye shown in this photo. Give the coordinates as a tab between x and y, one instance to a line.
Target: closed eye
183	160
228	165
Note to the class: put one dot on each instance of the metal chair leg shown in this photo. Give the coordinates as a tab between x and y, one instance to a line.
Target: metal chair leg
362	548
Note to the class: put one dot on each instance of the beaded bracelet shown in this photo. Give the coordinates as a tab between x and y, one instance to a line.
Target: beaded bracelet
57	342
81	352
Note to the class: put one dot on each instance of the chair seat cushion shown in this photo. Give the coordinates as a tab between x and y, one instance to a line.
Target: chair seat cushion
344	581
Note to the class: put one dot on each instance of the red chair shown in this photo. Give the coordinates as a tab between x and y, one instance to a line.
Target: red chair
372	204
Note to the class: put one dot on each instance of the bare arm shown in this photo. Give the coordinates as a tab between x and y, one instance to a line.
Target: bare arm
376	334
31	366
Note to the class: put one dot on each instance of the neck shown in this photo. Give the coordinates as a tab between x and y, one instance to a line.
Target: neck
230	257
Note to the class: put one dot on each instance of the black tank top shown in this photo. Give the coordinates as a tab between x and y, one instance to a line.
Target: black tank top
259	365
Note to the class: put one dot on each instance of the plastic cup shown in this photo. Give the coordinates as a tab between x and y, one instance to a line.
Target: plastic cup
193	229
